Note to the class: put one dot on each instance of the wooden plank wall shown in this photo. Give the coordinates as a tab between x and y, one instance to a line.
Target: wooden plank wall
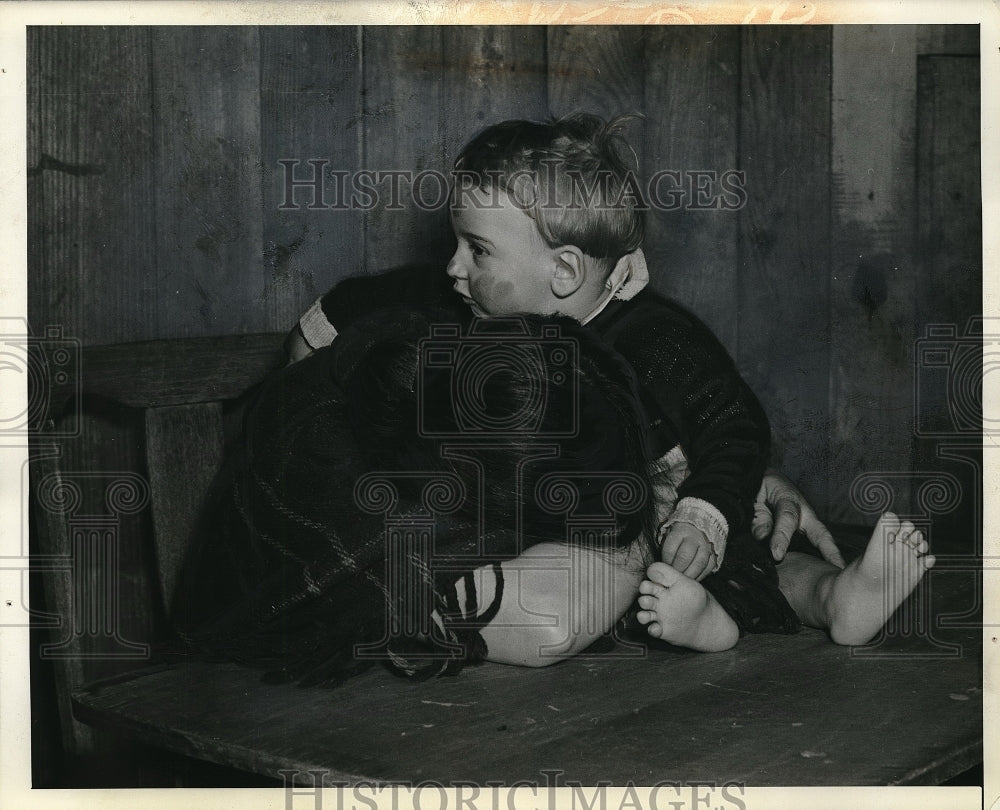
784	242
93	270
155	203
949	226
872	271
310	110
896	267
691	101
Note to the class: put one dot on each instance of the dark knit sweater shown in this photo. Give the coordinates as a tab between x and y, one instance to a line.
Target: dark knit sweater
696	398
692	392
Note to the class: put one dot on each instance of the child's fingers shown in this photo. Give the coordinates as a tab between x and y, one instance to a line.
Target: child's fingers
685	556
669	542
762	523
709	565
699	565
668	551
787	514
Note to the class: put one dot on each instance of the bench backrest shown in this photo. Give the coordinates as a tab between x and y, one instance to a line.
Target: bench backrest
180	388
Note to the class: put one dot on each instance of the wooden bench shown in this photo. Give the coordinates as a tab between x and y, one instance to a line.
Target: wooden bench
776	710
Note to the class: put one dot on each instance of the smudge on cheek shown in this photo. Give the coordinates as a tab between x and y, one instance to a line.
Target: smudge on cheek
491	293
503	291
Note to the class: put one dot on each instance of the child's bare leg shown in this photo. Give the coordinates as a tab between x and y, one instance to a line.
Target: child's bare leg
679	610
854	603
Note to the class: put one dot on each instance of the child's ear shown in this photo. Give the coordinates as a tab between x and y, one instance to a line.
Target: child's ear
570	271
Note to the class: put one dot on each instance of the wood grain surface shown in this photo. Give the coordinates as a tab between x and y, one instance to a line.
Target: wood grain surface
207	183
784	279
311	97
183	456
873	277
692	108
775	710
402	133
93	257
949	416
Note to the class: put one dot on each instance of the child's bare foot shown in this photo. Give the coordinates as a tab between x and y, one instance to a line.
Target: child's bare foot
678	609
863	596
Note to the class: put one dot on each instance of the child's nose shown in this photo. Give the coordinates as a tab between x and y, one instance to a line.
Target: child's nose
455	269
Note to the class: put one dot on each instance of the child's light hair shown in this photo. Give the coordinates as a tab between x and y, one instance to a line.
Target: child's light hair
571	175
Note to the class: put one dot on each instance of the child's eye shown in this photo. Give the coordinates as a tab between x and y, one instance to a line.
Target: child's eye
477	250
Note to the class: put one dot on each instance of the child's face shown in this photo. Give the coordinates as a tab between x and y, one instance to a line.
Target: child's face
502	266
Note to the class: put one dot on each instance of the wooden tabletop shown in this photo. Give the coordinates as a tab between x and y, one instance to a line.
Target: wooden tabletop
775	710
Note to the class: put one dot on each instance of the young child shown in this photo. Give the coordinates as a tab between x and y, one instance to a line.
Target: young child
589	250
546	224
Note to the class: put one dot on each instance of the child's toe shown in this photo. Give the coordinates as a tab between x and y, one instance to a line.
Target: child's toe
887	527
906	529
647	587
663	574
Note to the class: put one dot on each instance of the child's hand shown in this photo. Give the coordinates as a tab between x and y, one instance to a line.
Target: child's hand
687	549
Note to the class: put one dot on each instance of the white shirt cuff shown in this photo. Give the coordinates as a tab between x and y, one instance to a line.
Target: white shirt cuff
316	329
702	515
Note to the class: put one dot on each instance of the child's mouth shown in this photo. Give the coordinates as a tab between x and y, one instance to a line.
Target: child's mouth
471	304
